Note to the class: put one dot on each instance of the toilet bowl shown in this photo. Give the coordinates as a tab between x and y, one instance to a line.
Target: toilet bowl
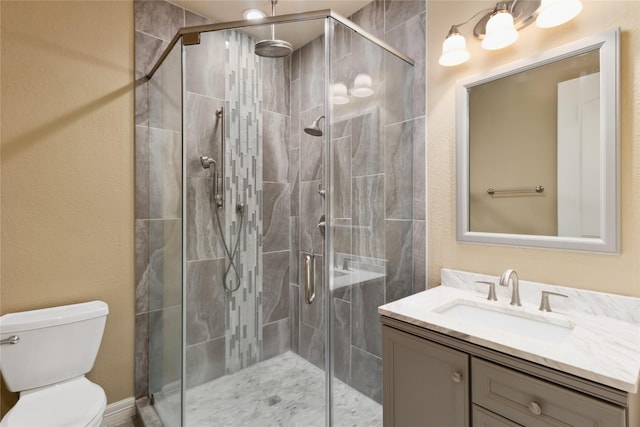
45	355
77	403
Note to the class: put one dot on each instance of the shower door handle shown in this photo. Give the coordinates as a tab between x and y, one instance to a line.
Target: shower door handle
309	278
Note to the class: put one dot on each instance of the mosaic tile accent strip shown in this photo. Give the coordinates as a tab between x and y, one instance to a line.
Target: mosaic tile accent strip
243	184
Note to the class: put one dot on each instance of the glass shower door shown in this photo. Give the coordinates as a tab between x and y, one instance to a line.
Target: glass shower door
371	211
165	242
254	347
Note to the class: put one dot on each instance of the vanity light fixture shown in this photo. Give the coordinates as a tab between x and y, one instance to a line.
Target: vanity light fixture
500	31
498	27
454	48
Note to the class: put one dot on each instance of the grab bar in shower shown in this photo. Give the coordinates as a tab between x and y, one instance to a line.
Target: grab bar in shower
218	192
309	278
536	189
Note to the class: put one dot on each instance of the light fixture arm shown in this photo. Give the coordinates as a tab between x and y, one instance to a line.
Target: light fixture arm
470	19
501	7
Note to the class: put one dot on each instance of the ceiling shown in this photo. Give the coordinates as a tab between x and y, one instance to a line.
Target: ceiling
297	35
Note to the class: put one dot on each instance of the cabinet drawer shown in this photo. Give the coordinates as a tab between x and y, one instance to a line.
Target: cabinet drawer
537	403
484	418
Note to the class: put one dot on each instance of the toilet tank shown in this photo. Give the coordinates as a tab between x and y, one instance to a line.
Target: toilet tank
55	344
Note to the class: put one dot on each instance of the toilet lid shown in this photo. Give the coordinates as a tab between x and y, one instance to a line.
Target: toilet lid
75	403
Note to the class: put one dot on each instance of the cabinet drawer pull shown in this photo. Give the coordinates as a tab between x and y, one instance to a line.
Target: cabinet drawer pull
535	408
456	377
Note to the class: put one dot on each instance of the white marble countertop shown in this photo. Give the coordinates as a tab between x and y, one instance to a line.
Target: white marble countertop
603	345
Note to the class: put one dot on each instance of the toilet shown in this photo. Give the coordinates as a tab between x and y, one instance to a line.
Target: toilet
44	355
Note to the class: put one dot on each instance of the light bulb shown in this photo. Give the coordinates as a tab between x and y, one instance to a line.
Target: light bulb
557	12
362	86
454	49
500	31
339	94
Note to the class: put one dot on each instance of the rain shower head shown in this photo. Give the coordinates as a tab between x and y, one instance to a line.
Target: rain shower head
273	48
314	129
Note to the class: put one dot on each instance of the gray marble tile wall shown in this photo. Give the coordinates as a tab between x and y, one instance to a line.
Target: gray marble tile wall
277	165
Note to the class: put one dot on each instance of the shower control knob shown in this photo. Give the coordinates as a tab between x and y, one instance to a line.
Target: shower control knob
206	161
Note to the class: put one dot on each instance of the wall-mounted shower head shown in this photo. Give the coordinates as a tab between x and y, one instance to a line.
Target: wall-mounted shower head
314	129
273	48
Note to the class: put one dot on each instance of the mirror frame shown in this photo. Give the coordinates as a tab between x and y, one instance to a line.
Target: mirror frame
608	44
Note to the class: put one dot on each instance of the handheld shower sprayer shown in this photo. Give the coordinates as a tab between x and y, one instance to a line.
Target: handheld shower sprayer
206	163
218	196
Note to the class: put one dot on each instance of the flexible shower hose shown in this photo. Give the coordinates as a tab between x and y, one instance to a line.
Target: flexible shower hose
231	254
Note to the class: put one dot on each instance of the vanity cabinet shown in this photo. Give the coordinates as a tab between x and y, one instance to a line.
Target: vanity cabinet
433	380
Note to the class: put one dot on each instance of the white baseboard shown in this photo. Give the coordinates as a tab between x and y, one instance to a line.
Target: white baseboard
119	412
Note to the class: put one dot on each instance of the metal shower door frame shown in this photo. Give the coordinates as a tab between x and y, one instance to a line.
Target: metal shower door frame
191	35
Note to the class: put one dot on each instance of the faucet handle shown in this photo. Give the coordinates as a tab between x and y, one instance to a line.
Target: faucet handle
544	300
492	290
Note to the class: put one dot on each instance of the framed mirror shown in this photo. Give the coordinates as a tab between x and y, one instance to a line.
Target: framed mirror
538	150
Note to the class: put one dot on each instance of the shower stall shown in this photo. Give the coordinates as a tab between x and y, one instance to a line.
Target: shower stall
281	205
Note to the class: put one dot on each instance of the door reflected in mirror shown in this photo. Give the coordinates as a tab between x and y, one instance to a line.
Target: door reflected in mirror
537	148
531	130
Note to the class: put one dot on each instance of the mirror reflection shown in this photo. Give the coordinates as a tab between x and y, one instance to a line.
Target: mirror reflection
534	151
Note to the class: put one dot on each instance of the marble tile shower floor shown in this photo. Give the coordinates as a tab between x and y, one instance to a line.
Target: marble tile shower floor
283	391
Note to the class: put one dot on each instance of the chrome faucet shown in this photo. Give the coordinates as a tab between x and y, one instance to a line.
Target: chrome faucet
511	275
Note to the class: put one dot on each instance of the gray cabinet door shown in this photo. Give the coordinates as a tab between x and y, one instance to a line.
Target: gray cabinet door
424	384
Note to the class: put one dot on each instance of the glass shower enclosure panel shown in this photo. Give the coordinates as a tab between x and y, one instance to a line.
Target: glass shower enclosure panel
371	211
246	343
165	230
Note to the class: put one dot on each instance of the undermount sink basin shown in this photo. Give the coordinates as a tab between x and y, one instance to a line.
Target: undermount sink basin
512	322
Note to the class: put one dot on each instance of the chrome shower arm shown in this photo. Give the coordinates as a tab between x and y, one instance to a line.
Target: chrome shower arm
273	13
